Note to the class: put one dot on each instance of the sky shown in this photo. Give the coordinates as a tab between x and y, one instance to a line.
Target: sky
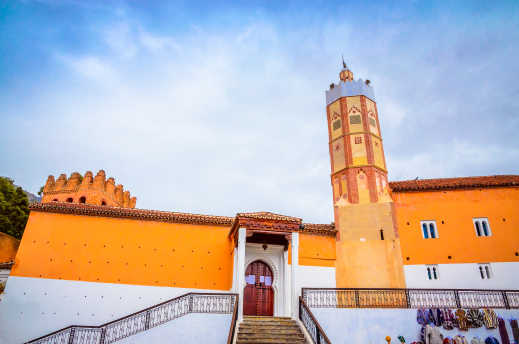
218	108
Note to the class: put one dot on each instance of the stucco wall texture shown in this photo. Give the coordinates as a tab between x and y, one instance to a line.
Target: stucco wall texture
453	212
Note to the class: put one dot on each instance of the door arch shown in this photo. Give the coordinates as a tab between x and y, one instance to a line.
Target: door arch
258	295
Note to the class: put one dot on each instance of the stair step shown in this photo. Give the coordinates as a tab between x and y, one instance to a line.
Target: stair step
271	330
268	325
270	336
271	322
251	317
270	341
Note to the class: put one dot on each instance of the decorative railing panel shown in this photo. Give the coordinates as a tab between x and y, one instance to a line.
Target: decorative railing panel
512	298
144	320
59	337
85	335
409	298
482	298
311	324
431	298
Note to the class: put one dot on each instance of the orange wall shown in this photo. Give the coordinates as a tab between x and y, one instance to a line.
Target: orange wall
8	247
128	251
316	250
457	236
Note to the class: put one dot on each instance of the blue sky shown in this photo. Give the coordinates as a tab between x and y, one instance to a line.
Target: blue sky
219	108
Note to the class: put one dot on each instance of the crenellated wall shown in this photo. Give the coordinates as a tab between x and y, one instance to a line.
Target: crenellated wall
87	189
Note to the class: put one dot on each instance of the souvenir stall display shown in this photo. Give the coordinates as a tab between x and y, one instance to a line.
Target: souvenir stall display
431	320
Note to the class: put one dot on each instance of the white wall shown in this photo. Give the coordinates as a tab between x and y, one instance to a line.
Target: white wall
191	328
464	276
48	304
371	326
315	277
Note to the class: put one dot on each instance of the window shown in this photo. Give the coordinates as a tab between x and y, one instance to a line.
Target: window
484	271
336	124
432	272
481	226
429	230
69	200
82	199
358	139
355	119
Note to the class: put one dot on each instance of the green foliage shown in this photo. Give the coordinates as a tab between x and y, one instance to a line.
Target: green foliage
41	191
14	208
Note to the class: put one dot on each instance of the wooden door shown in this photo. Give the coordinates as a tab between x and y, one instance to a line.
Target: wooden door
258	295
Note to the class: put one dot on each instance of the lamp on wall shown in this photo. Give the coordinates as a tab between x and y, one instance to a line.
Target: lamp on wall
265	246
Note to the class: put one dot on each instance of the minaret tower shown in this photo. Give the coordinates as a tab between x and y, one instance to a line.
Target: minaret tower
368	246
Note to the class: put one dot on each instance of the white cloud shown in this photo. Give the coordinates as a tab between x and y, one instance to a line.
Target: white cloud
90	67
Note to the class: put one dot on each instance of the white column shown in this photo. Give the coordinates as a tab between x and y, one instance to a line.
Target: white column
287	291
234	271
240	276
293	282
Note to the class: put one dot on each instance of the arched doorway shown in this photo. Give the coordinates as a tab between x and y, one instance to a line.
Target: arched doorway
258	295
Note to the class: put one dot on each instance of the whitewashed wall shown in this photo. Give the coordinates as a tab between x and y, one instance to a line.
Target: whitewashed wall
49	304
315	277
464	276
189	329
371	326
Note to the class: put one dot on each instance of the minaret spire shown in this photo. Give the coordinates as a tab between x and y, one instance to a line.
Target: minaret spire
345	74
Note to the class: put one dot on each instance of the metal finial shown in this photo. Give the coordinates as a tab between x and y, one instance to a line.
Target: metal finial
343	63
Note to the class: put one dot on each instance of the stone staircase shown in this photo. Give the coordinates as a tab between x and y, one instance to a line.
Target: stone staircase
268	330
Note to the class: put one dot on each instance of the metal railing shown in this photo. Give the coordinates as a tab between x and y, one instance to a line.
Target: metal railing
144	320
311	324
234	320
409	298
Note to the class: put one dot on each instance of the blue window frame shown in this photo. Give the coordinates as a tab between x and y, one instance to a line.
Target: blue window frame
425	231
429	230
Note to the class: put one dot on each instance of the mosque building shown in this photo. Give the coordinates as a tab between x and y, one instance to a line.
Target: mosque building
88	256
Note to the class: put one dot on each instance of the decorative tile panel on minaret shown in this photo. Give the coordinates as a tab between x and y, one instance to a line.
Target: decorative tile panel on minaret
367	241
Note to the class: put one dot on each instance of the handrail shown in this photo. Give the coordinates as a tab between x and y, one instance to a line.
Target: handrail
311	324
410	298
143	320
234	319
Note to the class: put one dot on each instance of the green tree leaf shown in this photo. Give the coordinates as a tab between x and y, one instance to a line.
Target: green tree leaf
14	208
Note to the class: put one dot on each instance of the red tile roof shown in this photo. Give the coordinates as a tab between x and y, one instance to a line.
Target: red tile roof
455	183
266	215
139	214
172	217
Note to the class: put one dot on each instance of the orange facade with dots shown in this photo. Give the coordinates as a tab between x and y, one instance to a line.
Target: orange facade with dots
453	211
142	247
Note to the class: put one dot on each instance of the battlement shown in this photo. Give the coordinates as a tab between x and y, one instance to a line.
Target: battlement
87	189
349	89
